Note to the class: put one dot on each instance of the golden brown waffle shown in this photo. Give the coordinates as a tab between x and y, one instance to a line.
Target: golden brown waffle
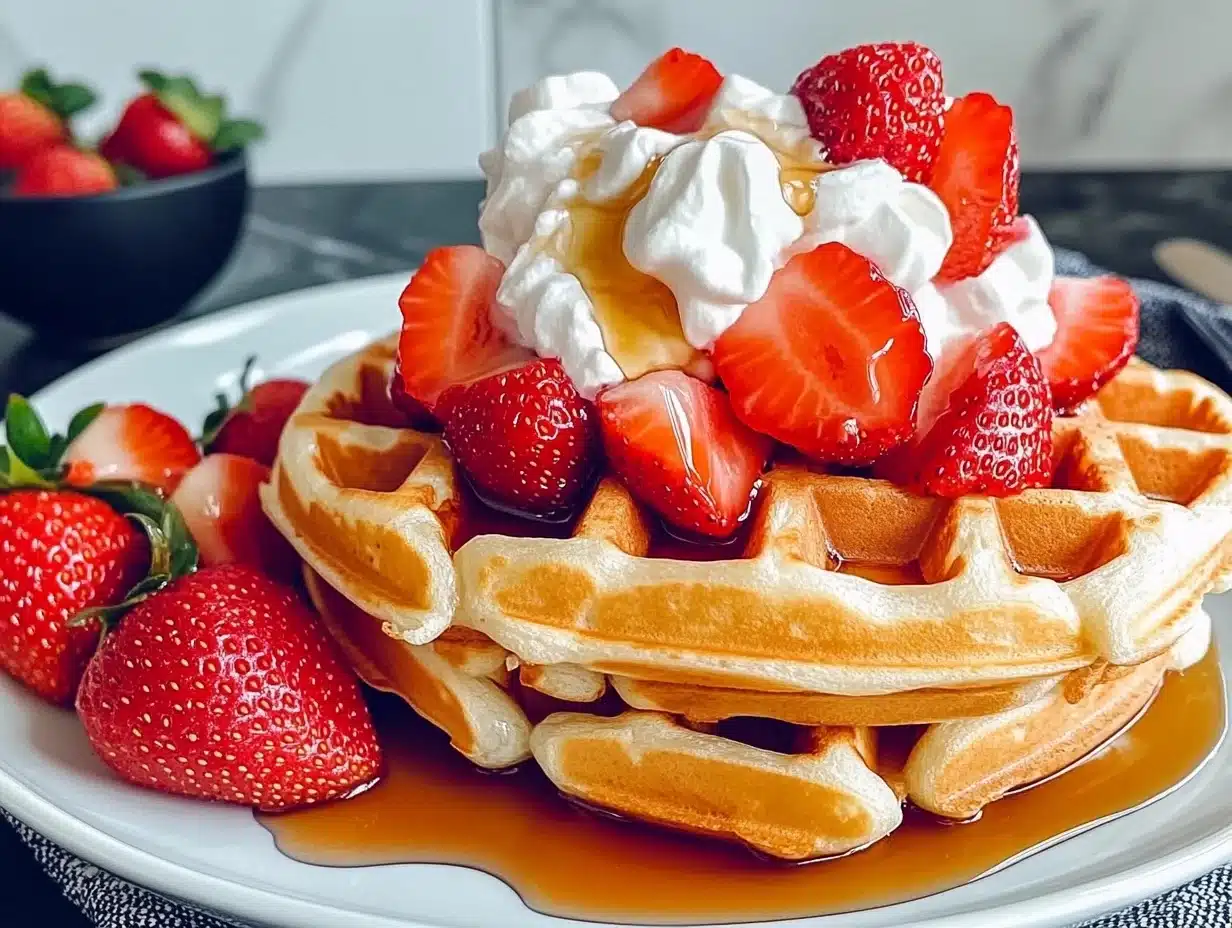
1031	616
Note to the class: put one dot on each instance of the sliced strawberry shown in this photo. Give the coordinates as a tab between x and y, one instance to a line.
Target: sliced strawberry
680	449
877	101
831	360
447	331
976	176
674	93
254	425
218	499
992	432
1097	332
524	437
132	442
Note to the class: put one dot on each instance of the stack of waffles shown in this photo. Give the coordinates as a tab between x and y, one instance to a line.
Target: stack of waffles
861	647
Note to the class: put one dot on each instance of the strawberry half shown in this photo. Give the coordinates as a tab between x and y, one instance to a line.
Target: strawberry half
680	449
831	360
976	176
220	505
524	437
1097	333
447	331
674	93
877	101
132	442
990	430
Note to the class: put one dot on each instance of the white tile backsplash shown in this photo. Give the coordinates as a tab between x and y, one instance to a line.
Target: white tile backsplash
365	89
348	89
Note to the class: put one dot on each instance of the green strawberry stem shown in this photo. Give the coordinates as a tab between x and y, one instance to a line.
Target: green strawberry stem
65	100
31	460
204	115
224	407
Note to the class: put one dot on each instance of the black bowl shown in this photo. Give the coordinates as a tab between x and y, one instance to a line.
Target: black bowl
88	269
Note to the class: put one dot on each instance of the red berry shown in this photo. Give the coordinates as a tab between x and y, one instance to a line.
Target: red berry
132	442
447	331
64	171
877	101
680	449
831	360
524	437
254	426
224	686
154	141
674	93
26	127
1097	332
991	430
976	176
220	505
60	552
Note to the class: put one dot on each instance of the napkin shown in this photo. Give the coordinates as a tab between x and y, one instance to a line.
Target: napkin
1167	341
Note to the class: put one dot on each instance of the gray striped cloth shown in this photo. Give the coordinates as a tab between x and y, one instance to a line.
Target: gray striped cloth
110	902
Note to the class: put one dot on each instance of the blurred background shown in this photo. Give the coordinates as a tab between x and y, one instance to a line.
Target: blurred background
362	90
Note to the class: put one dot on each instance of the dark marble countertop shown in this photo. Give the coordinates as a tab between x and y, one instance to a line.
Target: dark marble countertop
299	236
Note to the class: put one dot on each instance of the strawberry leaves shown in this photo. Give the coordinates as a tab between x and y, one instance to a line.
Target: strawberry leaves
218	415
203	114
32	457
65	100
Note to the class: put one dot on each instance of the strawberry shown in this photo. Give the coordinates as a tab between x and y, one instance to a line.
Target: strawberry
1097	332
224	686
992	433
219	502
253	426
60	553
37	116
830	360
415	414
976	176
524	437
64	171
447	331
674	93
877	101
67	558
174	128
132	442
679	448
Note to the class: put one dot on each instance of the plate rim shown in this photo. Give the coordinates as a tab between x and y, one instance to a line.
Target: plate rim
272	907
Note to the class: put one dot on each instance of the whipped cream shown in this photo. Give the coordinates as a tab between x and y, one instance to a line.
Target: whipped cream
776	118
1013	289
714	227
900	226
549	123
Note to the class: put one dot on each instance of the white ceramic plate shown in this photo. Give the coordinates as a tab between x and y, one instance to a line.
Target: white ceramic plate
219	857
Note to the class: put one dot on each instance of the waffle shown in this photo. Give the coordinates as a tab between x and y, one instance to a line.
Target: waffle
1043	623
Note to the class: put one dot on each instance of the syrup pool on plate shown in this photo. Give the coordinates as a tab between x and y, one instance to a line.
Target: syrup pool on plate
434	807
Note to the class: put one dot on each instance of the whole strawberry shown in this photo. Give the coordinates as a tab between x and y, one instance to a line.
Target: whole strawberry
64	171
224	686
174	128
252	427
525	438
37	116
877	101
60	553
68	556
989	428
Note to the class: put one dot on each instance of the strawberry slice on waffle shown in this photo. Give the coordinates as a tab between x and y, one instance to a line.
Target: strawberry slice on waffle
830	361
1097	332
448	335
680	449
674	93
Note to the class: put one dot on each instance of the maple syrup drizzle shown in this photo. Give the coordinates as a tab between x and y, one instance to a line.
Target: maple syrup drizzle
433	807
